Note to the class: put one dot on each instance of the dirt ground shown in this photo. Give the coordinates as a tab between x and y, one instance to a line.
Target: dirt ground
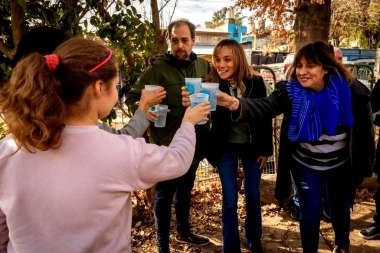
280	231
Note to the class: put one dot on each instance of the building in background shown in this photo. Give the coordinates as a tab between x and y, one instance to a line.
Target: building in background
206	39
234	31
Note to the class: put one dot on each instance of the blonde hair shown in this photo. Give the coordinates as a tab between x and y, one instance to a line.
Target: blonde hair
34	102
242	70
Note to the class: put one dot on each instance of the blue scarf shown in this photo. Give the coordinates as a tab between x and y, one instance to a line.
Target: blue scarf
314	114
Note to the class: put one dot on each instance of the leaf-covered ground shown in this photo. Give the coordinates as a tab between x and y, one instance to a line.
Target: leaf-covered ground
280	231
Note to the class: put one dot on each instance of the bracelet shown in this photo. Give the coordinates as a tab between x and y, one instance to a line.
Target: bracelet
233	103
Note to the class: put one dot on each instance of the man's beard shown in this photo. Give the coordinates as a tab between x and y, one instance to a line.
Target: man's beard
185	55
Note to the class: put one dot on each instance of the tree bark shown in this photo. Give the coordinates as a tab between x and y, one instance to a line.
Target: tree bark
155	15
312	22
159	39
18	26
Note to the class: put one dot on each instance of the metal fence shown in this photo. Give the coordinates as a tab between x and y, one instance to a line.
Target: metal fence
364	73
207	174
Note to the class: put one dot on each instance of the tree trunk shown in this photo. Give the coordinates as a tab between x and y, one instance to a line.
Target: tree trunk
155	14
312	22
159	39
18	26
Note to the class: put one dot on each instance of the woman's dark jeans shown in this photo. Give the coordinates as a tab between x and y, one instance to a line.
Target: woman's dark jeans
227	168
180	188
310	183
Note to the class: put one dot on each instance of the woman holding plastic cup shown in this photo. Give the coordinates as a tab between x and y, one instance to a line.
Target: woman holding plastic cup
229	142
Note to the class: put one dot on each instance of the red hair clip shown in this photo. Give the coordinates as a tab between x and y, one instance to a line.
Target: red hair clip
51	61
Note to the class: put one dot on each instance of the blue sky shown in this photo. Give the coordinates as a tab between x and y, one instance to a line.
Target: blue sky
197	11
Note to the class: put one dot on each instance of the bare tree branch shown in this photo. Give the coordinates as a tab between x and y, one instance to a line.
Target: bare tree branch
165	5
102	12
84	12
175	6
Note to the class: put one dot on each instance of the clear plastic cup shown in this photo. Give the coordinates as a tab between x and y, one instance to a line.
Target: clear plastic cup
162	113
153	108
193	85
198	98
211	89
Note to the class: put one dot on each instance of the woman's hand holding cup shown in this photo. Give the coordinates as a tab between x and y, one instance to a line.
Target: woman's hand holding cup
224	99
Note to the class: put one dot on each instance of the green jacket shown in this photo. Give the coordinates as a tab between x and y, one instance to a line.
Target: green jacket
169	72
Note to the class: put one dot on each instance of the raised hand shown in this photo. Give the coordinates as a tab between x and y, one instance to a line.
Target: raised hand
197	113
150	98
224	99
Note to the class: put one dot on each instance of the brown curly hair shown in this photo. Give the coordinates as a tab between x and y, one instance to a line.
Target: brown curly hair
34	103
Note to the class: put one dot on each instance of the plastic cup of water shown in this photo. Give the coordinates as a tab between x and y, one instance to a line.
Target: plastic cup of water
211	89
193	85
198	98
162	113
153	108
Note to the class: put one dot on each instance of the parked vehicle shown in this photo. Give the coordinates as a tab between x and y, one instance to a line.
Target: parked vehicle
281	68
367	62
352	54
362	70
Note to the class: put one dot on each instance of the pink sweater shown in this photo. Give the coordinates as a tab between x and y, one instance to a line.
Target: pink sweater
77	198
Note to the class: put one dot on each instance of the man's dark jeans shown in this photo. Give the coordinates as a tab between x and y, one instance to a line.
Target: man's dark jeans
180	188
310	183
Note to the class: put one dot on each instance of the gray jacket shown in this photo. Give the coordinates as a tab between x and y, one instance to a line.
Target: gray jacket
136	126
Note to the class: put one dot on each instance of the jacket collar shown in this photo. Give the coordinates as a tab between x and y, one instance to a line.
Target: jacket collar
181	63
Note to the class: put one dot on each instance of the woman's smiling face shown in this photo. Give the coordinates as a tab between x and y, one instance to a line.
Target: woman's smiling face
224	63
310	75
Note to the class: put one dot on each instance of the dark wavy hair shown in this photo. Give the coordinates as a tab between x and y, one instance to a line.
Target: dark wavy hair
35	101
43	40
179	22
322	54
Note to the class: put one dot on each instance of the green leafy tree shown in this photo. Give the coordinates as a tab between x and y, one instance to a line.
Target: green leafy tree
355	21
117	22
239	18
372	24
219	17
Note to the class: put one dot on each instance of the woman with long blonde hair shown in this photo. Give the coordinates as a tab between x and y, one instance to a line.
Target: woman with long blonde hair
230	142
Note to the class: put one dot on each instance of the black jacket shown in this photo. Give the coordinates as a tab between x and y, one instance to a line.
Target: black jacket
361	136
375	103
261	143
